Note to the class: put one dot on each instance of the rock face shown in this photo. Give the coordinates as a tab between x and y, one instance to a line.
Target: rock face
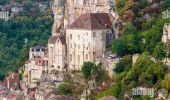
67	11
75	8
58	8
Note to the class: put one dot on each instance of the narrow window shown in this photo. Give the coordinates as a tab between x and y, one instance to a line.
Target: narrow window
71	36
70	57
86	56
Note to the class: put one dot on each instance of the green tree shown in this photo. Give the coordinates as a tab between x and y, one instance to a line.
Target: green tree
65	89
159	51
166	82
124	65
132	43
87	69
166	4
119	47
129	29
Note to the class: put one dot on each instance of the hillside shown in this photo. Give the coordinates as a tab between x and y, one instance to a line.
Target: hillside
141	34
28	28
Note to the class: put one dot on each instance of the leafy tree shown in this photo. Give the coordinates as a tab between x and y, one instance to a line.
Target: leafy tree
119	47
124	64
155	72
137	71
132	43
129	29
65	89
159	51
87	69
166	4
166	82
13	49
3	2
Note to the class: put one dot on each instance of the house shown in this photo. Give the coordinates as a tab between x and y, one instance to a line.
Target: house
36	65
86	38
57	53
4	15
34	68
38	51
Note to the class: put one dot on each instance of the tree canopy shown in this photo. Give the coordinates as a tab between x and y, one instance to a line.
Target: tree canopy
87	69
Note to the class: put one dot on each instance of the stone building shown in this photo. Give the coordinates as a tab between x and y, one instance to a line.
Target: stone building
86	38
34	68
166	40
38	51
75	8
57	53
36	65
166	33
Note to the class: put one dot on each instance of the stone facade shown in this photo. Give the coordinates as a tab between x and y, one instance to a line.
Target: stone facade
166	34
57	53
166	40
38	51
86	39
37	63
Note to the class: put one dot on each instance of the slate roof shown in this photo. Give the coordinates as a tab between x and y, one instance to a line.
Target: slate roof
92	21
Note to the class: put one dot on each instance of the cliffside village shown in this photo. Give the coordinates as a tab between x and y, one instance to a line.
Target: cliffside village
81	32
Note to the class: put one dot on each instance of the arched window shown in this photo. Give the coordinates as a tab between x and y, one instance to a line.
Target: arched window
87	57
70	57
78	57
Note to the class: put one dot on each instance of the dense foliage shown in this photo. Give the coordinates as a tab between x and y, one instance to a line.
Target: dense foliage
64	89
87	69
124	65
19	34
142	35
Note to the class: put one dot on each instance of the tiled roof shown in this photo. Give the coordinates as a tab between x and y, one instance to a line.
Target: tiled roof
53	39
91	21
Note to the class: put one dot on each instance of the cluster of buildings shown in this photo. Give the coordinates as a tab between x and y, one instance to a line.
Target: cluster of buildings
81	32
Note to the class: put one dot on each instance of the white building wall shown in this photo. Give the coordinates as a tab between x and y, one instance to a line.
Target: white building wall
84	45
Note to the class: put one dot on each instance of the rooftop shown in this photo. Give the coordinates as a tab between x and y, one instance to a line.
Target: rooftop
92	21
53	39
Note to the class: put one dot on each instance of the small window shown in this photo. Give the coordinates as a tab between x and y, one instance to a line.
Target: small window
71	36
58	67
87	48
52	66
86	56
70	57
78	37
87	33
94	34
